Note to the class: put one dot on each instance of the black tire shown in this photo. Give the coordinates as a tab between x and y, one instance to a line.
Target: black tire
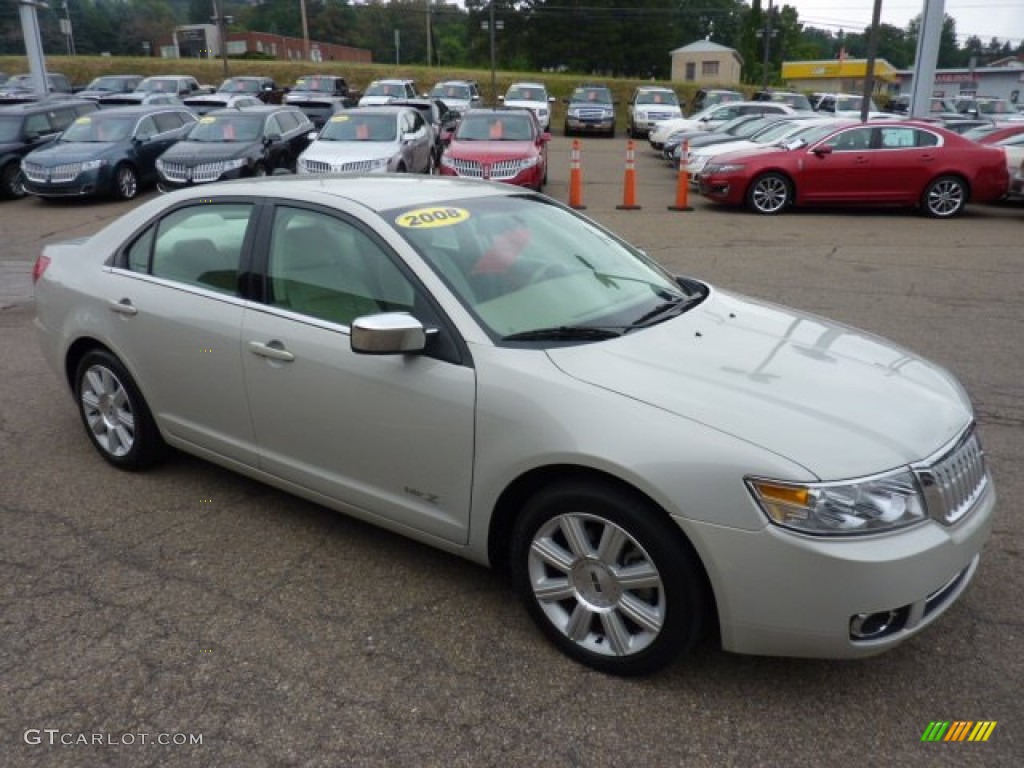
575	592
945	197
259	170
770	194
11	181
116	417
126	182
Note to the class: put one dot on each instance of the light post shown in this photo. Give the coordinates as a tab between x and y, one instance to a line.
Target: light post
492	26
767	43
68	32
221	21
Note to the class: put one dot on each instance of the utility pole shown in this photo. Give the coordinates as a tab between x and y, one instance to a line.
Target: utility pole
494	80
430	54
869	75
221	20
767	42
305	30
65	27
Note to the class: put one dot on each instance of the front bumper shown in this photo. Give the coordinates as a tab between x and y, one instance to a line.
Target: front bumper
583	125
165	184
85	184
804	600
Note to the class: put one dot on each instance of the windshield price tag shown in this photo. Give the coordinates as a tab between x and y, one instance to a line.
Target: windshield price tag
425	218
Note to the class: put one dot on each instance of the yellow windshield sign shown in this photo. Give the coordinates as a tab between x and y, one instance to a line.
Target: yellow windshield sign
427	218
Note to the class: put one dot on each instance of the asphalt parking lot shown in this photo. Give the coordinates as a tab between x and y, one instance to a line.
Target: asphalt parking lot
190	601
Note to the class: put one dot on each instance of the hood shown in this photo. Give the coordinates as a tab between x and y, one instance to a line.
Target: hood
491	150
348	151
741	145
839	401
536	106
94	94
375	101
195	152
59	153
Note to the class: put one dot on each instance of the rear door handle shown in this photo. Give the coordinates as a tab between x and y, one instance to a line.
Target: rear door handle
273	350
123	307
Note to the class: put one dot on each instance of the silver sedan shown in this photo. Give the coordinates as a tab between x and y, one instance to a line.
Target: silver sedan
487	371
381	139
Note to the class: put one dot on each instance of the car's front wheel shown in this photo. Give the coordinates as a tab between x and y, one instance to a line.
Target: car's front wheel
126	182
12	183
945	197
115	415
607	578
770	193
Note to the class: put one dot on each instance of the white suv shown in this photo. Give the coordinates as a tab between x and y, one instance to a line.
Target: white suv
383	91
532	96
458	95
651	105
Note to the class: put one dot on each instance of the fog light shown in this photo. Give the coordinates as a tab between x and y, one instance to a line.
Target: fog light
871	626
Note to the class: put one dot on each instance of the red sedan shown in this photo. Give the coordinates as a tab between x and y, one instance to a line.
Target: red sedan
501	144
881	163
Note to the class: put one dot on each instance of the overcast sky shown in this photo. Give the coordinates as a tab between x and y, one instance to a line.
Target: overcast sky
985	18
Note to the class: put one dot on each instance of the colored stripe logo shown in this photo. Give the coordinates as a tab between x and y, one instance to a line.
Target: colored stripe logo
958	730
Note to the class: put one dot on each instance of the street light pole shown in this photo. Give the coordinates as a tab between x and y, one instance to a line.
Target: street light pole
494	80
767	42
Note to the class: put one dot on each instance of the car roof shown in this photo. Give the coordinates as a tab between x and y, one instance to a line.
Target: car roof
525	84
42	105
141	109
377	192
262	109
381	109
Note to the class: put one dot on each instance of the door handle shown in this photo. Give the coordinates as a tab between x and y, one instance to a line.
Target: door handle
273	350
123	307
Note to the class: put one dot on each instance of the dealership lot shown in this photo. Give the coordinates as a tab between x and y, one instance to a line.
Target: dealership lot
191	601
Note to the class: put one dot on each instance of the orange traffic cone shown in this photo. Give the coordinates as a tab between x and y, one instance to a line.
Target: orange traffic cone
575	178
629	182
683	185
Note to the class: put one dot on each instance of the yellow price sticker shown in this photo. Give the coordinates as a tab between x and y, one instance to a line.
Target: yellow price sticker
83	120
339	119
207	120
426	218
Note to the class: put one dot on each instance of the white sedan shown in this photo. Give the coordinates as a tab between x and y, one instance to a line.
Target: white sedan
381	139
696	159
486	371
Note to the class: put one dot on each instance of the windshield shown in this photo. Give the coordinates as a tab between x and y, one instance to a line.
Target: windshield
523	264
10	128
495	127
458	92
227	128
592	95
795	100
111	84
362	127
239	86
314	84
776	131
752	127
657	97
996	107
99	128
525	93
853	104
158	85
812	134
385	89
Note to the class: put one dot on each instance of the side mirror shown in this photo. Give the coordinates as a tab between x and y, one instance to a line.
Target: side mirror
544	138
272	138
822	150
390	333
551	99
501	99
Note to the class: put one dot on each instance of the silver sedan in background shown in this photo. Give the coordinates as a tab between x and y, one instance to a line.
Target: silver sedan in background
381	139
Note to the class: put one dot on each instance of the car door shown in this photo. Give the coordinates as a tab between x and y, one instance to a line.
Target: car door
839	168
173	294
391	435
904	162
276	149
414	124
149	141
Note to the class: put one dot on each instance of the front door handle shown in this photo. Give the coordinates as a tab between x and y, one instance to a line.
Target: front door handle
123	307
273	350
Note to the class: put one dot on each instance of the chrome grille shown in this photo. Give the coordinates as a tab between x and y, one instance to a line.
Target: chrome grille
198	173
658	116
503	169
316	166
592	114
58	173
953	482
356	166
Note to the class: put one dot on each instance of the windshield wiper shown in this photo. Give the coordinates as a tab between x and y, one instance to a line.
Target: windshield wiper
567	333
665	310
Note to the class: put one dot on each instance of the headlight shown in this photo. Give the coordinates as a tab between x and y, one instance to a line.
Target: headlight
92	165
379	163
528	162
159	163
722	167
238	162
447	162
871	505
574	112
641	114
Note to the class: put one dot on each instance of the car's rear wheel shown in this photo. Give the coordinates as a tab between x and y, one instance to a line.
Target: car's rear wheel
12	183
770	193
607	578
115	415
945	197
126	182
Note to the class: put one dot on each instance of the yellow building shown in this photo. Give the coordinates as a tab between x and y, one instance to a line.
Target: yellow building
837	75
